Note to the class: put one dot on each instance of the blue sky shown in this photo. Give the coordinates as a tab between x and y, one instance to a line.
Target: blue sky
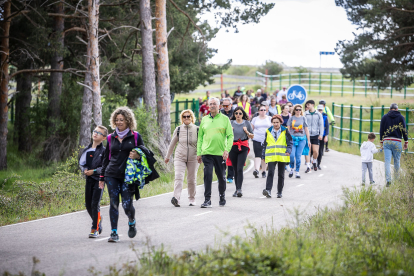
293	32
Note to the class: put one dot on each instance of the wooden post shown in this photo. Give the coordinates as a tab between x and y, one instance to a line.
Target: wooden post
221	82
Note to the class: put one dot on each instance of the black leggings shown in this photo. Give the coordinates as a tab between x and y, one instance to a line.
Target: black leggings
93	197
238	158
116	187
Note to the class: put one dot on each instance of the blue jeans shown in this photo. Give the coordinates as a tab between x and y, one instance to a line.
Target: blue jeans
297	153
392	149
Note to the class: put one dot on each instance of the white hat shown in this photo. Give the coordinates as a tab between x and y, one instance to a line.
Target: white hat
320	107
259	90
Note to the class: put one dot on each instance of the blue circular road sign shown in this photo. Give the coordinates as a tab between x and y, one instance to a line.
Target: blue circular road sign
296	94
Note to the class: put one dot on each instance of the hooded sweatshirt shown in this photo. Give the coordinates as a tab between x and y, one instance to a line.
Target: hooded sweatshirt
367	151
393	127
315	123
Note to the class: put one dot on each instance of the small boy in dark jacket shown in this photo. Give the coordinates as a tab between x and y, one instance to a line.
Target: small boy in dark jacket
90	163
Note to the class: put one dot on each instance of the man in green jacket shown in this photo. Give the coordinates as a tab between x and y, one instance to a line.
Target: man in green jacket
215	139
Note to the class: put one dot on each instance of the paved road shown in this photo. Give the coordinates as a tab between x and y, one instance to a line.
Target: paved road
63	247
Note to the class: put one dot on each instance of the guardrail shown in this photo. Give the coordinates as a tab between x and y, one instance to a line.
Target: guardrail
368	119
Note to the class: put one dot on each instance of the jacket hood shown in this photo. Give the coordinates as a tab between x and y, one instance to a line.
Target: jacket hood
365	145
394	113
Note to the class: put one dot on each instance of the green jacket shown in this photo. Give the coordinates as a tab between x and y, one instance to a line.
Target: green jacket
215	135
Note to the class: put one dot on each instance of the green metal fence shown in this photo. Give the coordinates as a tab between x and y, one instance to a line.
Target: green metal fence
178	106
367	120
332	83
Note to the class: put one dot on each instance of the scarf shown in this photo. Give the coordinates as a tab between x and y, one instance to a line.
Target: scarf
123	133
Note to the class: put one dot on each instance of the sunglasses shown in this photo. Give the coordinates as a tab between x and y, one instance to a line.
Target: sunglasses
187	117
298	109
99	133
238	113
290	105
262	109
226	105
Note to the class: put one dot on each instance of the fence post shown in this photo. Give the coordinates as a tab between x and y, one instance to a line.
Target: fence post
271	83
221	80
309	82
382	111
405	91
186	104
320	82
391	87
332	126
299	77
353	89
177	107
342	122
289	78
280	81
407	113
365	86
197	108
360	124
371	123
350	123
330	89
342	86
193	105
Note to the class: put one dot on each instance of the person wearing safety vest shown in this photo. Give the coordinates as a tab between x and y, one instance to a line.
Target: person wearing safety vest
244	103
276	151
331	118
274	107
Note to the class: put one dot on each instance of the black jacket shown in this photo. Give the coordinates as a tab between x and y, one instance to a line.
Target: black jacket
119	155
393	125
96	161
230	114
289	141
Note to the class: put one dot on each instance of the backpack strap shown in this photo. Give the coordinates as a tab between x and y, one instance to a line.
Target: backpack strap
109	138
178	133
136	138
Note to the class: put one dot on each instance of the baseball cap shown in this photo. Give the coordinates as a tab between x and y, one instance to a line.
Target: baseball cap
320	107
264	103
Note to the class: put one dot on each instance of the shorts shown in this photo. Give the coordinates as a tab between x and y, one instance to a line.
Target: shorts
314	140
258	149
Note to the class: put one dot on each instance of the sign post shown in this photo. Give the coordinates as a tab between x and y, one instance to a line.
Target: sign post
324	53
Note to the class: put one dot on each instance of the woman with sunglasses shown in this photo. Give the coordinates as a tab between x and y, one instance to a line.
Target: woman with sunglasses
298	128
242	131
260	124
185	157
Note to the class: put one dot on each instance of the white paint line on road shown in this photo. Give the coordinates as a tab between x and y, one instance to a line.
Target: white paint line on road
324	167
300	185
262	197
320	175
106	238
203	213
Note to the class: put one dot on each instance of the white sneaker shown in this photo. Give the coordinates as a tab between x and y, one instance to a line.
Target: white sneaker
297	175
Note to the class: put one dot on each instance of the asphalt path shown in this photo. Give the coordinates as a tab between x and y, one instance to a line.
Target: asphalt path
62	245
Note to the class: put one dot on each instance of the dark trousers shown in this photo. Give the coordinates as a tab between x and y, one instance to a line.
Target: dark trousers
230	171
321	149
326	144
280	175
93	197
238	158
216	162
117	187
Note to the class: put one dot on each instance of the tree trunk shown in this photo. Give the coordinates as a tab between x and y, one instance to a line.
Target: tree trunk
86	112
23	100
148	68
93	14
163	79
19	82
4	79
55	87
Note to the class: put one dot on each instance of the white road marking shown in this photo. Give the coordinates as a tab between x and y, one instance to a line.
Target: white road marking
320	175
106	238
263	197
203	213
300	185
324	167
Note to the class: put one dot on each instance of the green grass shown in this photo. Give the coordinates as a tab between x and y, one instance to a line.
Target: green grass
372	233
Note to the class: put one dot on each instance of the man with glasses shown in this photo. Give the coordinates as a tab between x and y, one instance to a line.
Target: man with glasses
215	139
228	111
90	163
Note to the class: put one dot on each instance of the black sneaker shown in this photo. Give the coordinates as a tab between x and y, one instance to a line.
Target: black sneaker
222	201
327	149
256	173
279	195
319	167
206	204
307	170
291	174
174	202
239	193
235	194
263	174
315	168
132	232
100	225
114	237
372	182
267	193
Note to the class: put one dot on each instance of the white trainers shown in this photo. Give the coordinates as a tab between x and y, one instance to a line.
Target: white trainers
297	175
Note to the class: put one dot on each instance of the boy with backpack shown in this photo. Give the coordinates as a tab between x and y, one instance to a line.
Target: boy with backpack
367	155
90	163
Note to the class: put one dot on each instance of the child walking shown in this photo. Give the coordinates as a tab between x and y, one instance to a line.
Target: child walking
367	155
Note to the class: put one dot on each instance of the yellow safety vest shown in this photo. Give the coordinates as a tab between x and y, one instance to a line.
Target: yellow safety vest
279	111
276	150
246	108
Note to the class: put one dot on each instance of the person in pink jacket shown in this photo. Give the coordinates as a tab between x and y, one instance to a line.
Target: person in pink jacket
185	137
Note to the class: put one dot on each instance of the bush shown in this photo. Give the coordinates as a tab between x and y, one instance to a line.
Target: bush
273	68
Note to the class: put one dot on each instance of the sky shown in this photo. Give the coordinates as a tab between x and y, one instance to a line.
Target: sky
293	32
